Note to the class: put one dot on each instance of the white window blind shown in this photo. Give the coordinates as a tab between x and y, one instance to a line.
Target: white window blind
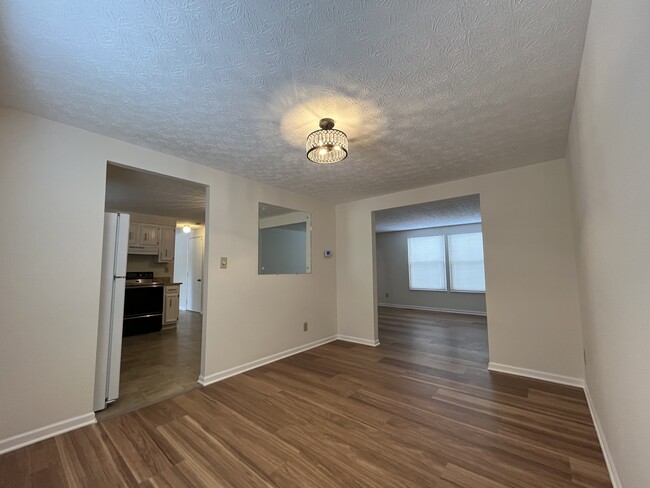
426	257
466	269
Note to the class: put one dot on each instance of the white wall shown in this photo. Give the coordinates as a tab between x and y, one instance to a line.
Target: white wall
52	184
609	159
532	295
144	262
393	273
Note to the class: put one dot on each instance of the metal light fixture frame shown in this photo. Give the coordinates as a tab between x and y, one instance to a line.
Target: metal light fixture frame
333	141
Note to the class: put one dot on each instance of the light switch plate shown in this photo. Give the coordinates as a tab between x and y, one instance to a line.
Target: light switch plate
223	263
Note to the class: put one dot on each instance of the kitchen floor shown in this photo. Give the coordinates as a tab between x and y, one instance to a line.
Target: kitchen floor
157	366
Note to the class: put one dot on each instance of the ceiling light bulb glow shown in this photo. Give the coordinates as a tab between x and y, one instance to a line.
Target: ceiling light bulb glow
187	229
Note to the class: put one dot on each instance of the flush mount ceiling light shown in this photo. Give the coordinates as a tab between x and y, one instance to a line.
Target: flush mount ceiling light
327	145
187	229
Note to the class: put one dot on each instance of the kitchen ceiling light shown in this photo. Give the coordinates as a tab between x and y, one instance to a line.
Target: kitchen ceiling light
187	229
327	145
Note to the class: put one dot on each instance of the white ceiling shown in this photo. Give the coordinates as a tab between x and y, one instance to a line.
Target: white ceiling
453	211
137	191
428	91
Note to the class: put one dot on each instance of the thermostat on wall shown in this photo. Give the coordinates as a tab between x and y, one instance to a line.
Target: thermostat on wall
327	254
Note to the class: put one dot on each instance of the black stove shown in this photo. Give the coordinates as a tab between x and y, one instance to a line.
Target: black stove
143	303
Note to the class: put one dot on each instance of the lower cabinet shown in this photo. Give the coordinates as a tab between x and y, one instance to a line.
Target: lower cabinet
172	301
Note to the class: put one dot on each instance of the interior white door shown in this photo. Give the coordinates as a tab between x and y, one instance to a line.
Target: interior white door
195	274
180	266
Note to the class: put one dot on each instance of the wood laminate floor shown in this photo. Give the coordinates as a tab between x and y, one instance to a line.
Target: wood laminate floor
157	366
420	410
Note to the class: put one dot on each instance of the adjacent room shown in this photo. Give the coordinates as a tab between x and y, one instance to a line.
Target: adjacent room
431	279
329	244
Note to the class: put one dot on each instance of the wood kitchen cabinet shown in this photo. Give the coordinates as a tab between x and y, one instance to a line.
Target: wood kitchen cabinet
134	234
172	302
144	239
149	235
167	243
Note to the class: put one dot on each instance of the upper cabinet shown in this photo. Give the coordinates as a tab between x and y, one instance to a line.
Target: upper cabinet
156	240
167	243
134	234
143	238
149	235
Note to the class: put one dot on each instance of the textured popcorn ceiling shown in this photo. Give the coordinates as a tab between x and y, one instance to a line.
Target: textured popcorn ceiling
427	91
136	191
453	211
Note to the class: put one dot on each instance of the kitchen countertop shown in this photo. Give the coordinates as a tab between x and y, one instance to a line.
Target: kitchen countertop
166	281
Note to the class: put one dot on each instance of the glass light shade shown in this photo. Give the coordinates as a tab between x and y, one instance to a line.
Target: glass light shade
327	146
187	229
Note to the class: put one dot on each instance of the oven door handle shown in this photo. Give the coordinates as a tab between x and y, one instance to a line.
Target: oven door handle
143	316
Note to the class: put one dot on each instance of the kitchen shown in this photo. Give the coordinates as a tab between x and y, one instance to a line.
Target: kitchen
149	341
151	297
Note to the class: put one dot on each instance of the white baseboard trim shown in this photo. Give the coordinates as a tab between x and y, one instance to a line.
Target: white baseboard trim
613	474
358	340
433	309
42	433
538	375
222	375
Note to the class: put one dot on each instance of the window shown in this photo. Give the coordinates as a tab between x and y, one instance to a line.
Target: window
427	261
426	258
466	271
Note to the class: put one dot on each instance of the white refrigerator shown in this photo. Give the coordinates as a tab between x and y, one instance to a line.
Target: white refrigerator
111	309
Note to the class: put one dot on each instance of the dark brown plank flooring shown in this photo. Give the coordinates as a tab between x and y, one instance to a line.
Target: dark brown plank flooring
157	366
419	410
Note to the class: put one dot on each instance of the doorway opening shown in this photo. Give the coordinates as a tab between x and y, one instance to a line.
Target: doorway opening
156	339
430	278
